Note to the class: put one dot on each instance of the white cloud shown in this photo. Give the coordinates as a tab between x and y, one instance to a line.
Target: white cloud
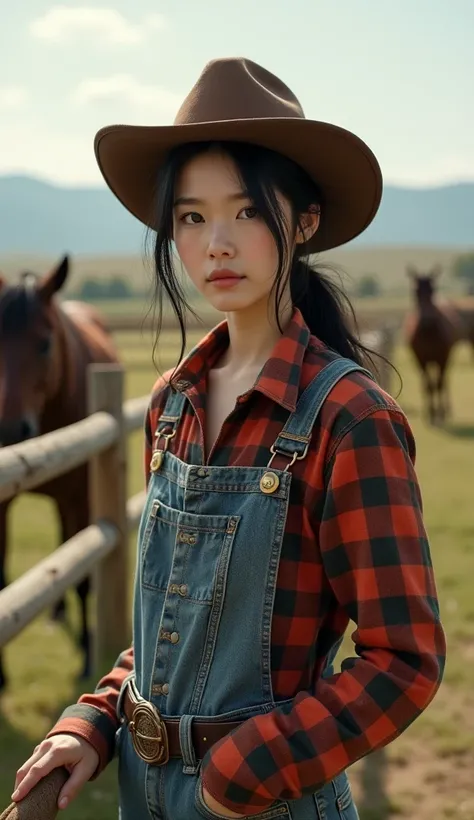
61	24
12	96
128	92
62	156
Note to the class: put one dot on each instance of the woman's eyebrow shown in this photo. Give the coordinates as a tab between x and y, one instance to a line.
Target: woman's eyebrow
191	200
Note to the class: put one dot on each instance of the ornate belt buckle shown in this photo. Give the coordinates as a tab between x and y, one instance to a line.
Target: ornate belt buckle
149	735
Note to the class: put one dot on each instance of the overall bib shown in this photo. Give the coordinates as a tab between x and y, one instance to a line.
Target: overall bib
209	547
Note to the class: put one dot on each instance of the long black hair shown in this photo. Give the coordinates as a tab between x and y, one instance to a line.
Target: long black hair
326	308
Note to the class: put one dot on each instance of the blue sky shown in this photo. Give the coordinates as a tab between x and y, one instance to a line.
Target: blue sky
399	74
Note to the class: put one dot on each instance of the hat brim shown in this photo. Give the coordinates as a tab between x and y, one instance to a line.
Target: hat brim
343	166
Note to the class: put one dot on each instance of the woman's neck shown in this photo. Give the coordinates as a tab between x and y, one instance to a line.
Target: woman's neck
253	334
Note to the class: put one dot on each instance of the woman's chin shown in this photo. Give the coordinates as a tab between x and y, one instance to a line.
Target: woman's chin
226	302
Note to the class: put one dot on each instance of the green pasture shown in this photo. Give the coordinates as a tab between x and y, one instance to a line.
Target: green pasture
427	773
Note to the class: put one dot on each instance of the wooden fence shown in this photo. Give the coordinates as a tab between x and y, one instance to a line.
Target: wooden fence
102	548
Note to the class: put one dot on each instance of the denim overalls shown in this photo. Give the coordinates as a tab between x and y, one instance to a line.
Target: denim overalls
209	549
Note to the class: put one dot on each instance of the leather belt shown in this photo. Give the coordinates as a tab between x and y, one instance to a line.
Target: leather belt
156	739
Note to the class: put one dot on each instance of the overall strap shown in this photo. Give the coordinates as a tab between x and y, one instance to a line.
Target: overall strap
295	437
167	426
173	410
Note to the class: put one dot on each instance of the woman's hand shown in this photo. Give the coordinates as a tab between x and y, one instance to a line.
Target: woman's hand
70	751
216	807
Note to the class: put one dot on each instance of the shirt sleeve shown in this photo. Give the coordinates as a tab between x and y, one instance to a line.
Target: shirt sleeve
377	560
94	716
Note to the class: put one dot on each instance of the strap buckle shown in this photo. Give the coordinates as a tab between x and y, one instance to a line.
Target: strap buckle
294	457
158	454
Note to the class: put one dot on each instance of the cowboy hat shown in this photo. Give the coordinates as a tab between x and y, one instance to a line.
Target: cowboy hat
41	802
237	99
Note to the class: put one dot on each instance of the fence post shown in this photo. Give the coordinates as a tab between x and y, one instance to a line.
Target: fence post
108	500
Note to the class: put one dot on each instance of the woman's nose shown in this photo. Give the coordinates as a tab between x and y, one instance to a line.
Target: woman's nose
220	243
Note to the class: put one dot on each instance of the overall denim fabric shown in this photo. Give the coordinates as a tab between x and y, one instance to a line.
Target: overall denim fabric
209	549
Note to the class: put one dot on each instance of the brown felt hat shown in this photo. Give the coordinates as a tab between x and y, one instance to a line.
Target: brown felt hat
41	802
237	99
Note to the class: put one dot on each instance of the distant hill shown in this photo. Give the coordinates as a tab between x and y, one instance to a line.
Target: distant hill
39	218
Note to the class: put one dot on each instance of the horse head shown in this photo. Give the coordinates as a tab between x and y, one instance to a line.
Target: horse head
424	284
29	351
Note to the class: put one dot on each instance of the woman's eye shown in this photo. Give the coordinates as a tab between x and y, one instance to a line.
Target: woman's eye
192	218
250	213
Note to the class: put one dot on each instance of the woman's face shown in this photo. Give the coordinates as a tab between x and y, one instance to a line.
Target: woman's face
226	248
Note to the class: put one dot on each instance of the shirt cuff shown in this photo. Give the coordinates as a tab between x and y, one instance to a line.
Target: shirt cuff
92	725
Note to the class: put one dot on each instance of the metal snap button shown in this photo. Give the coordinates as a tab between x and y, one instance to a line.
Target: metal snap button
183	590
202	472
174	637
165	689
269	482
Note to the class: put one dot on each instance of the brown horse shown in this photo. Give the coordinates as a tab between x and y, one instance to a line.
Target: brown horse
431	331
465	311
45	348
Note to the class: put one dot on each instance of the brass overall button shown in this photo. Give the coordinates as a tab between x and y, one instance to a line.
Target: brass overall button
174	637
186	538
156	461
269	482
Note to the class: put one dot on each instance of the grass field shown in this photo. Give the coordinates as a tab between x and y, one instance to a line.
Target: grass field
427	773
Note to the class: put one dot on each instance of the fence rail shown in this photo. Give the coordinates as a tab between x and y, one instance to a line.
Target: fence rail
100	549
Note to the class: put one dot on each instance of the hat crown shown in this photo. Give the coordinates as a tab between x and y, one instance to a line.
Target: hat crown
237	89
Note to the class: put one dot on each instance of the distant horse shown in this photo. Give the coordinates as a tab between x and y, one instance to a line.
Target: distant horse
431	331
465	311
45	349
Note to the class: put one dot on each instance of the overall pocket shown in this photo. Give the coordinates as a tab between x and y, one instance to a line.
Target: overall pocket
279	809
186	551
335	801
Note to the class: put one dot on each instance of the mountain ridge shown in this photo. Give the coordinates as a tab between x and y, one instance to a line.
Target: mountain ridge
41	217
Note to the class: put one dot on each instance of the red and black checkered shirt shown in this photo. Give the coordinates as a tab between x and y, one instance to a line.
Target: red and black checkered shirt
354	548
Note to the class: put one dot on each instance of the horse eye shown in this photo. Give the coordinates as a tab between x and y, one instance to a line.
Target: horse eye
44	346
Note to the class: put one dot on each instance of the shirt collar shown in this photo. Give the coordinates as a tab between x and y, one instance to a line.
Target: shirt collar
280	376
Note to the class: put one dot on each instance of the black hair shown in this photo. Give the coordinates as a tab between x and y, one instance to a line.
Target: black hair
324	305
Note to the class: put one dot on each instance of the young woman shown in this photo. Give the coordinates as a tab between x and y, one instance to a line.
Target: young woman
282	497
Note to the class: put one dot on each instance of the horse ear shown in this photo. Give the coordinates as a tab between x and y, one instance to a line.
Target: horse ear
54	280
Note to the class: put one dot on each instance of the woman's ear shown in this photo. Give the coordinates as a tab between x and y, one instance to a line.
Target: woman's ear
308	224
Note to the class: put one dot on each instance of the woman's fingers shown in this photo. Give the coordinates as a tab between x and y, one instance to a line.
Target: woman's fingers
80	775
71	751
38	766
23	771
